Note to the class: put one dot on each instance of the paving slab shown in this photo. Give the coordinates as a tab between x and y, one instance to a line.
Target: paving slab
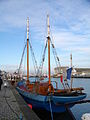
13	106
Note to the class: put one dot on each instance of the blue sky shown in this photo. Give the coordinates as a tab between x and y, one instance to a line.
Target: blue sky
69	24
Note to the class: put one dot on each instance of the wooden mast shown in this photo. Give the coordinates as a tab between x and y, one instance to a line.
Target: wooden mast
49	72
27	51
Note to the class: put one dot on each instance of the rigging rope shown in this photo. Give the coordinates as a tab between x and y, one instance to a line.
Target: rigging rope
23	52
57	61
39	73
33	59
55	55
51	108
22	58
24	68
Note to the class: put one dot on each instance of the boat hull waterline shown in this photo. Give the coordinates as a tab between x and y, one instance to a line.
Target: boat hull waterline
43	102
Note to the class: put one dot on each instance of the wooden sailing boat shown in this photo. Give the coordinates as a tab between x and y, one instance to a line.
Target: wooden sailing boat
42	94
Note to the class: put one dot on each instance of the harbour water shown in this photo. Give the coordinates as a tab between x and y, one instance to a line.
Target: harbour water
80	109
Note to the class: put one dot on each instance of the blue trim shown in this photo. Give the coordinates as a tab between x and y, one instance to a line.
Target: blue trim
44	105
42	102
57	99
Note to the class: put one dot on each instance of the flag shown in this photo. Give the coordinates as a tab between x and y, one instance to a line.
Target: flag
69	71
61	78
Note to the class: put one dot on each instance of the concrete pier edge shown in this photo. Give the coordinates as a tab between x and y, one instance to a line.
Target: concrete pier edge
29	114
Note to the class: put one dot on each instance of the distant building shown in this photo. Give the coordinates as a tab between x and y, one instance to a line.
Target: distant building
75	71
83	71
59	70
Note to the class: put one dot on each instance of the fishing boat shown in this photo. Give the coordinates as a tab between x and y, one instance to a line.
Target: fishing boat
42	95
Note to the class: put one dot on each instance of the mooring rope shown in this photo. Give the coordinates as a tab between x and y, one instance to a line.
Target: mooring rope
51	108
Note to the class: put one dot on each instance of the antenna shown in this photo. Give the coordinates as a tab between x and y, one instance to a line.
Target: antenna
71	59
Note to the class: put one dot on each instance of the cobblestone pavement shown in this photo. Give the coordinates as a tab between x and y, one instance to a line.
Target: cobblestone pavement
9	108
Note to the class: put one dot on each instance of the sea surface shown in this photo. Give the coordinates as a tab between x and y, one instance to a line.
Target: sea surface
77	110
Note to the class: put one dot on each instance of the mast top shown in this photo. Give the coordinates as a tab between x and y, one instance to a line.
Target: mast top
48	25
27	28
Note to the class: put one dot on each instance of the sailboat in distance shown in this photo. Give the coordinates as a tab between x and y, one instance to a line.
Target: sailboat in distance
42	95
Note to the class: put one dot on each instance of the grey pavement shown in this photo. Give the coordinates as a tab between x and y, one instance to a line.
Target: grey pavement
9	108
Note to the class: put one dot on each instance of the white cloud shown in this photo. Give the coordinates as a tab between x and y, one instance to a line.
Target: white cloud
9	68
69	20
69	40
